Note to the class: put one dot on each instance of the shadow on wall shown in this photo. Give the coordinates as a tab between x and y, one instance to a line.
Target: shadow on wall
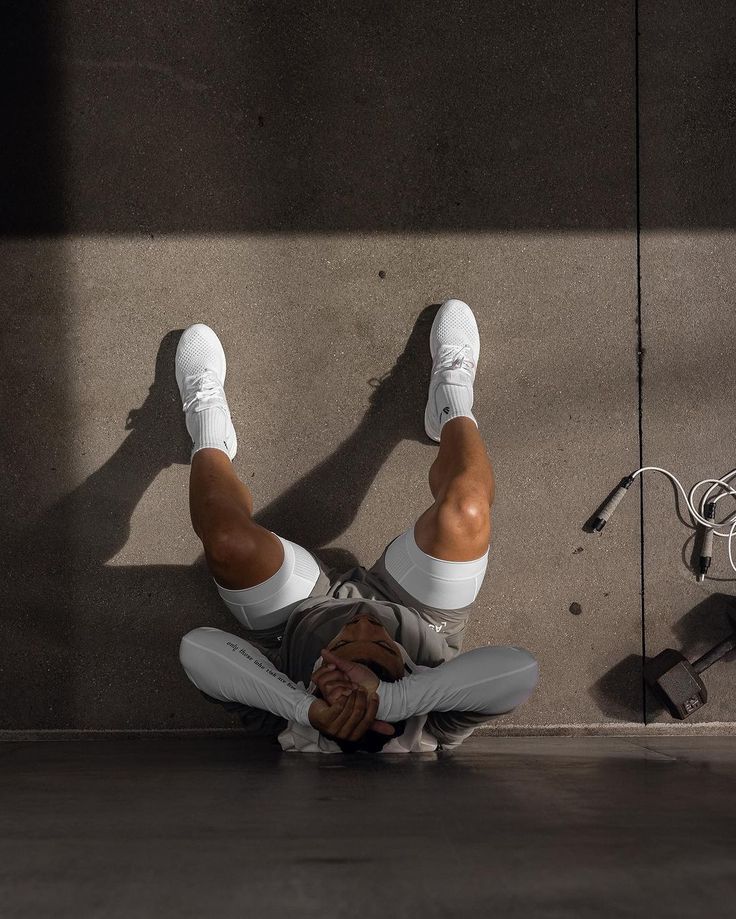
311	115
98	643
323	116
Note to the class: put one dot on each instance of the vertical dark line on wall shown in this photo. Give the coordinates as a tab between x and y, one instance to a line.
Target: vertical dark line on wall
640	360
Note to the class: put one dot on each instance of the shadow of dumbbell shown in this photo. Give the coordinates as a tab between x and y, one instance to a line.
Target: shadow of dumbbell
619	692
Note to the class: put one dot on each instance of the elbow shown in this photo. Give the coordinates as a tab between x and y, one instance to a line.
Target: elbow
195	653
531	675
190	647
520	681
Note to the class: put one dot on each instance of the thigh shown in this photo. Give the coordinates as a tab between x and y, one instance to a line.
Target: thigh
264	610
441	591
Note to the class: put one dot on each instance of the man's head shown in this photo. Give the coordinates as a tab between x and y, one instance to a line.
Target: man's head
364	639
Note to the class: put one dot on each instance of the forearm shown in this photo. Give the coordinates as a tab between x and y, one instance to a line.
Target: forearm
489	681
231	669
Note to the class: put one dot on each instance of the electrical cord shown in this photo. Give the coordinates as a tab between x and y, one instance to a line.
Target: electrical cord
705	517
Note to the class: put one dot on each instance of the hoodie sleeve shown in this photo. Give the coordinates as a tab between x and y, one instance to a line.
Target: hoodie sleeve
489	681
229	669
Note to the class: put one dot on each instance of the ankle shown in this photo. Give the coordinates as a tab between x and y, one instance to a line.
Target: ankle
454	402
460	426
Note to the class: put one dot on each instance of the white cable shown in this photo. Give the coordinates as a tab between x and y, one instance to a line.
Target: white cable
704	500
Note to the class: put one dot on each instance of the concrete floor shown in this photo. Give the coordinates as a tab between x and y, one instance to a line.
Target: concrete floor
261	172
515	827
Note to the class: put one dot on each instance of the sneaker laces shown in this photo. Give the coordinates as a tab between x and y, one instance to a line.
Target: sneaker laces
206	389
456	358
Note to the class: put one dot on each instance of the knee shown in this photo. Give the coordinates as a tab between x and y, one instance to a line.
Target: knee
226	548
467	514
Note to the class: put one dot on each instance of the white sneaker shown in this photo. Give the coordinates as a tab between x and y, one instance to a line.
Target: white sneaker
454	343
200	374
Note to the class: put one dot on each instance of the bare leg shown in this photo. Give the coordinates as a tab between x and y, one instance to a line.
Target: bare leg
457	527
239	552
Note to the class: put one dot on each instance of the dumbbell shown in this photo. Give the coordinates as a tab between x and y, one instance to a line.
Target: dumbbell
676	682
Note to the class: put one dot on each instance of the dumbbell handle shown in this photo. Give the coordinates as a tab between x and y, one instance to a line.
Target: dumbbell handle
715	654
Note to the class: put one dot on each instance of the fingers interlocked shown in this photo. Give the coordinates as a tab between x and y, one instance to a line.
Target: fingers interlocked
332	683
355	716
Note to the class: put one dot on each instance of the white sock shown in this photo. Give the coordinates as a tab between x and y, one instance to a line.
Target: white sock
208	428
454	401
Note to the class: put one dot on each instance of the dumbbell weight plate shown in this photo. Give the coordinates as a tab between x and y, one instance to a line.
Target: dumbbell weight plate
673	681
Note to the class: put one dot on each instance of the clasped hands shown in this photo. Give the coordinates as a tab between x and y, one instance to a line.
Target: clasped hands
349	700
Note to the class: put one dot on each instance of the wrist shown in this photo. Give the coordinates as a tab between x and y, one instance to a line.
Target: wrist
310	712
315	711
